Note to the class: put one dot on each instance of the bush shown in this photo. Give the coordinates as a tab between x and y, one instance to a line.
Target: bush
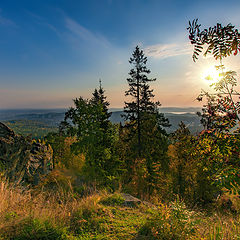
170	222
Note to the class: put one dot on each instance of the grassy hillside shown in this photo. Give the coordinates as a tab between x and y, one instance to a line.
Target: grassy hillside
61	214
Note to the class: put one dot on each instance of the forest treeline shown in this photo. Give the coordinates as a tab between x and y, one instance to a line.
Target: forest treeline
139	157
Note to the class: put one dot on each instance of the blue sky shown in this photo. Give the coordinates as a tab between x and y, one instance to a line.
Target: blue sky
52	51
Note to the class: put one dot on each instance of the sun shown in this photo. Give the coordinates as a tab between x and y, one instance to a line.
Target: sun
211	75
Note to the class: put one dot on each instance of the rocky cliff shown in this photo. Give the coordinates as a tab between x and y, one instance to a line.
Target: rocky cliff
21	159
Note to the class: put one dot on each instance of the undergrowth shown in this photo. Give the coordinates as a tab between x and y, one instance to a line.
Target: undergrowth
34	214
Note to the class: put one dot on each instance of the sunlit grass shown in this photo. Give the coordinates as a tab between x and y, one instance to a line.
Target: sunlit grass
63	215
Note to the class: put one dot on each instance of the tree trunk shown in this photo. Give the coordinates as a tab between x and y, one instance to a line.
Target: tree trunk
138	116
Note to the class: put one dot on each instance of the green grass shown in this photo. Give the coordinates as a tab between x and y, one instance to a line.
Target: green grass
33	228
113	200
110	223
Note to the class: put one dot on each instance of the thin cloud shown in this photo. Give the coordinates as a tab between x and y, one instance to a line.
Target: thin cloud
168	50
42	21
51	27
84	34
7	22
37	17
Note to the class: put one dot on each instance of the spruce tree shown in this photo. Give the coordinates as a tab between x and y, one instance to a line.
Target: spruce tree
100	98
142	106
143	138
96	137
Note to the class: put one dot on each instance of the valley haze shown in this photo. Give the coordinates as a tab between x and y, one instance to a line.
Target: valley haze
52	117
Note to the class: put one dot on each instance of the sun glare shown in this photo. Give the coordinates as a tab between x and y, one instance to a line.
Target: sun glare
211	75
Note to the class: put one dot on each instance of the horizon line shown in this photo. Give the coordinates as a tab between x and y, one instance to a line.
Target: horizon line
69	107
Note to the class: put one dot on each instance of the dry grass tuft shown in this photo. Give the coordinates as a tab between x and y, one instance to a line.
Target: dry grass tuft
17	205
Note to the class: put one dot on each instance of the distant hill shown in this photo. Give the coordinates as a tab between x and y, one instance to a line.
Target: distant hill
40	121
30	114
36	129
191	120
35	122
116	117
50	118
180	110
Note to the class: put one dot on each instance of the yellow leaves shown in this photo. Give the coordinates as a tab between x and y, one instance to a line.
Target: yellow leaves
165	211
171	150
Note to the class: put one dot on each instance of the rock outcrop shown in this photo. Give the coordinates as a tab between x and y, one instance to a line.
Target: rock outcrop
130	201
21	159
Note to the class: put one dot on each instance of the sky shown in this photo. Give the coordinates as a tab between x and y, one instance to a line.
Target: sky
52	51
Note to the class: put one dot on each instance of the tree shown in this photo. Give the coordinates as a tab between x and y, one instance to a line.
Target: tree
220	115
141	107
180	149
62	154
143	136
100	98
222	108
96	136
221	41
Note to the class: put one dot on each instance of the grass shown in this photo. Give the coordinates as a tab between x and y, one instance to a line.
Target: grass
34	214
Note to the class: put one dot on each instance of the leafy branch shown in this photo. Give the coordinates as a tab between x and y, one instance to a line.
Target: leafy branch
221	41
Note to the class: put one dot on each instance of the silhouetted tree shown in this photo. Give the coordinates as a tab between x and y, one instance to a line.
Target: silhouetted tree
139	109
143	137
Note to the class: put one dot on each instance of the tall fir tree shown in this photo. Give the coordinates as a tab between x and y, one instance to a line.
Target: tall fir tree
142	105
143	137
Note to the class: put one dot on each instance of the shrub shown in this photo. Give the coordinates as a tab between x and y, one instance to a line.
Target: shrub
10	215
170	222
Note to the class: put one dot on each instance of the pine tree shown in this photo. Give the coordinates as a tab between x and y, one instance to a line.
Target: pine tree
139	109
100	98
143	137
